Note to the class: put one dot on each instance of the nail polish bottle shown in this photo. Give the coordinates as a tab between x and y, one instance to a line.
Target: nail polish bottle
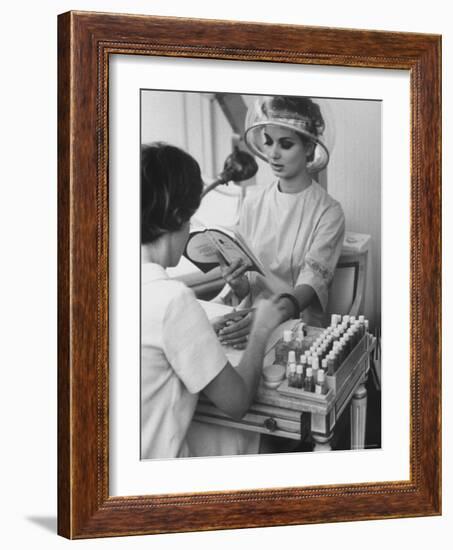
299	380
292	375
291	362
321	384
308	382
315	368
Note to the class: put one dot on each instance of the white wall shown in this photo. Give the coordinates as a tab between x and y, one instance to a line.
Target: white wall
184	119
28	274
354	179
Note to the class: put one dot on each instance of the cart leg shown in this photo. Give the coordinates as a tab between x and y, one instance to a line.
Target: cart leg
358	417
322	442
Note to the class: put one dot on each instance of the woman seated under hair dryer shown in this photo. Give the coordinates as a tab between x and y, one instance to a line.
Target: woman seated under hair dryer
292	224
181	355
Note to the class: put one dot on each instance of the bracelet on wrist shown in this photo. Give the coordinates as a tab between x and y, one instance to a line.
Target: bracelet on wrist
294	302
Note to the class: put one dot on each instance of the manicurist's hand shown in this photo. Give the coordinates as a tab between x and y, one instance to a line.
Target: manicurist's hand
218	323
269	314
235	331
234	275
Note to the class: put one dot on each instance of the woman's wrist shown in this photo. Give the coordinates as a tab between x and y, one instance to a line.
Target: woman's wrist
241	288
291	305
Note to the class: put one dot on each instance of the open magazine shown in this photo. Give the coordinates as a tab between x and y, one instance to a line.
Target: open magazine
204	245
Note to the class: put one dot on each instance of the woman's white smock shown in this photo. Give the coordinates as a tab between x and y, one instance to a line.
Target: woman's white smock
298	238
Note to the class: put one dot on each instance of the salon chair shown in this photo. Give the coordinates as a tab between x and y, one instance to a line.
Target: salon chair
347	291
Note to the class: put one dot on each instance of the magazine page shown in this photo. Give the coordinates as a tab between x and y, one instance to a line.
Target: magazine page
201	251
203	248
229	245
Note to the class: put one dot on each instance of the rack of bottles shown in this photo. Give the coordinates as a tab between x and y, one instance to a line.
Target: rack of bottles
315	366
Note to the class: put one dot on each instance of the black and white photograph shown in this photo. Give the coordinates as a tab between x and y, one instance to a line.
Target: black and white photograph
260	274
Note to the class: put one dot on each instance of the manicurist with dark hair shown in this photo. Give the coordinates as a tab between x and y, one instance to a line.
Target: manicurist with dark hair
181	355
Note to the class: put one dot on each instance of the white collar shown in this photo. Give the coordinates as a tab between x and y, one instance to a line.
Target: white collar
153	272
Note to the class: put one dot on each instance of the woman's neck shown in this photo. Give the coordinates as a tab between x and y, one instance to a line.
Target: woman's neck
157	252
295	185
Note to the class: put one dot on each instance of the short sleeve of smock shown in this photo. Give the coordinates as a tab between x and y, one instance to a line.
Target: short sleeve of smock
190	343
322	256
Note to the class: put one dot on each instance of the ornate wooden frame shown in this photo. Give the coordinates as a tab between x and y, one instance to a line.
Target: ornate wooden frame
85	42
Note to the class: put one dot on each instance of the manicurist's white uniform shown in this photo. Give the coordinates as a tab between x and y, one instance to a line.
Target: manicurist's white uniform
180	356
298	238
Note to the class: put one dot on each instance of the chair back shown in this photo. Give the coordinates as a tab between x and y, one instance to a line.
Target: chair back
347	291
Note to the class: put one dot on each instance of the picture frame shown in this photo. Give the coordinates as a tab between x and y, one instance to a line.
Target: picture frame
86	41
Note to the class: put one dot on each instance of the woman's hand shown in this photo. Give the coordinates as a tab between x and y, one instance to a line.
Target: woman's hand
234	275
267	316
234	332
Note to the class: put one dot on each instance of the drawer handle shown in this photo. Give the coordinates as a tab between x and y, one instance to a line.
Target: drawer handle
270	424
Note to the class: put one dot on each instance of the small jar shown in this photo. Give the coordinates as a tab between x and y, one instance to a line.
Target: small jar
273	375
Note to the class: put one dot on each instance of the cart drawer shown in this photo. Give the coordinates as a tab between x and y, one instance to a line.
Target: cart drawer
262	419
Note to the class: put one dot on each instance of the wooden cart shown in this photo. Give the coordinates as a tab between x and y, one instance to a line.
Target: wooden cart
296	414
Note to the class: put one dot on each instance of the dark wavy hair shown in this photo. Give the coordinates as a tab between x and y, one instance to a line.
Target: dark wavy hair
302	106
171	188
